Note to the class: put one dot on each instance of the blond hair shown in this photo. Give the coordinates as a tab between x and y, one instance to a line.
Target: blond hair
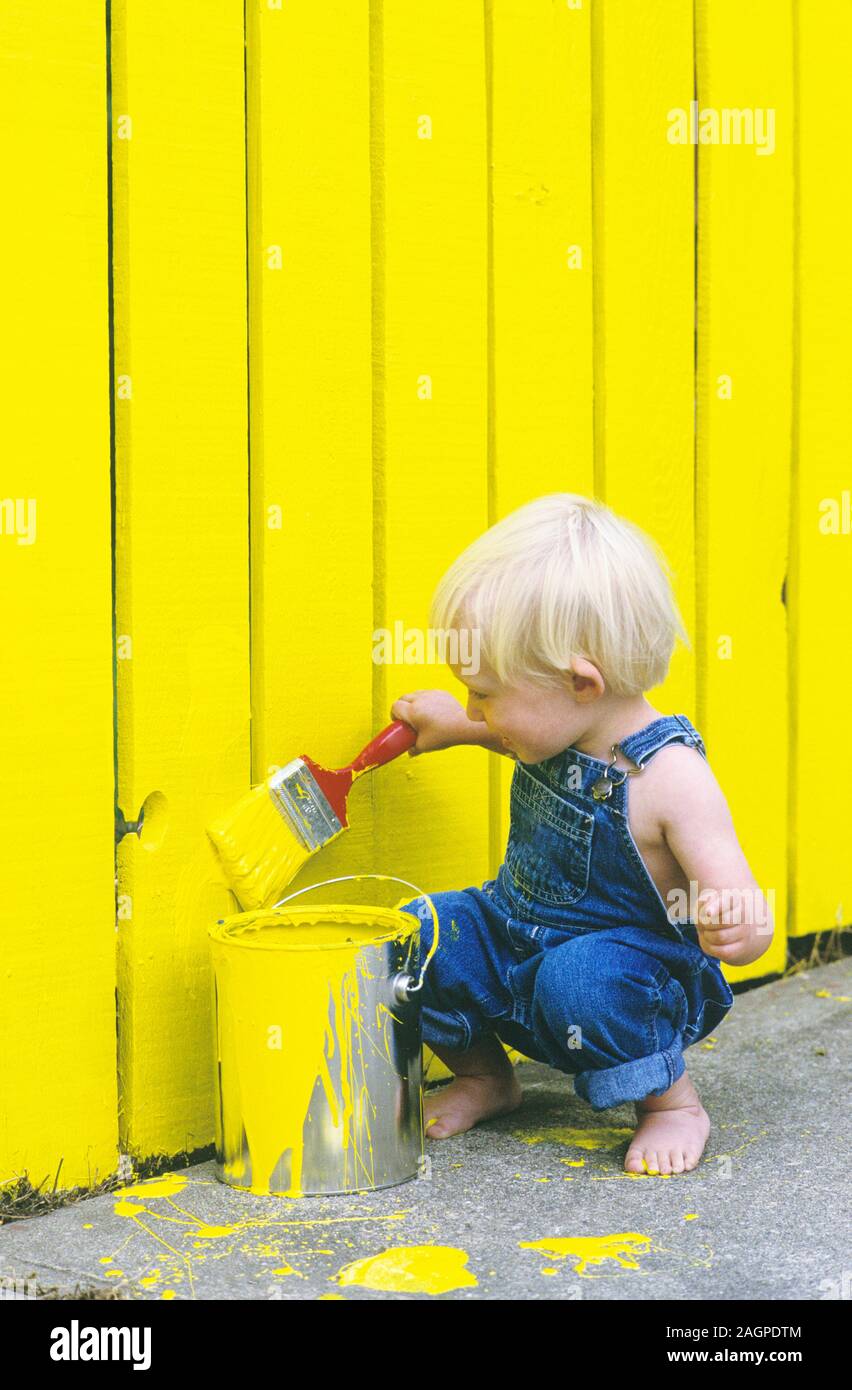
564	576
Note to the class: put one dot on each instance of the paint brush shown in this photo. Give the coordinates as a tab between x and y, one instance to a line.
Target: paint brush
276	827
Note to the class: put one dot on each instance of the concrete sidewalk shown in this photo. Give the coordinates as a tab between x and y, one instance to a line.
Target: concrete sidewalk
532	1206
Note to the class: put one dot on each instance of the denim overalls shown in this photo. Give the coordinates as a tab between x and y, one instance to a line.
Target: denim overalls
570	955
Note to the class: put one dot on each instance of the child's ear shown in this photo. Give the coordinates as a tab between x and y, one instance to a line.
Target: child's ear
585	680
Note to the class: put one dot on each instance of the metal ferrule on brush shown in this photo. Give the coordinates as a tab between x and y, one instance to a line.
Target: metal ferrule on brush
303	806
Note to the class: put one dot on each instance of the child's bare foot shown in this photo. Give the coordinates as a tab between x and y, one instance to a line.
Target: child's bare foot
672	1131
466	1101
485	1085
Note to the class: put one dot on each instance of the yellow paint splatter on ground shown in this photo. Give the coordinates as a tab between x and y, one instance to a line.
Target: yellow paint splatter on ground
603	1137
690	1216
593	1250
183	1240
574	1162
432	1269
129	1208
827	994
714	1158
166	1186
205	1232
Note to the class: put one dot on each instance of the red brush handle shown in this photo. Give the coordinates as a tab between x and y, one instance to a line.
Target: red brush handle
395	739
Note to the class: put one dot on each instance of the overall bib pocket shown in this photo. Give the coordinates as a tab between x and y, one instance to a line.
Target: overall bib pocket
550	844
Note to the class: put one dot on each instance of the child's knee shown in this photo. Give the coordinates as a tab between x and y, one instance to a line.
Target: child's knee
420	908
609	1006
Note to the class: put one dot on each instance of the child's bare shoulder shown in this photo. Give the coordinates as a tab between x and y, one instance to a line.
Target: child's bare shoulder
680	784
679	761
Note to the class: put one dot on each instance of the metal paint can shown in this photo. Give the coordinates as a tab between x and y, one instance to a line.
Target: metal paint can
318	1046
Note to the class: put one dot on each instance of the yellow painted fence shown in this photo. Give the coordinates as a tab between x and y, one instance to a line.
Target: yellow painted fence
302	296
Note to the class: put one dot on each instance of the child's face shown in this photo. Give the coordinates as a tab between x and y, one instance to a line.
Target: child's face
534	723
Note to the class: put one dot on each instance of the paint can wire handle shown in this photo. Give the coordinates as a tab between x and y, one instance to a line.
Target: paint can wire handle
347	878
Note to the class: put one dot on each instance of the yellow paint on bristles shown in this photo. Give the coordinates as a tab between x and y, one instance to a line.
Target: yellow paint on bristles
257	850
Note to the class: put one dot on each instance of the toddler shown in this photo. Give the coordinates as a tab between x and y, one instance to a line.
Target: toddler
581	953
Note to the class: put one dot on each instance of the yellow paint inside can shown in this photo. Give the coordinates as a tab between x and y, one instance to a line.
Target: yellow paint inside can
288	1000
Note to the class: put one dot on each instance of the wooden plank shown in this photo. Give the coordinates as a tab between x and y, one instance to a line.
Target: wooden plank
644	291
57	985
178	150
311	409
430	459
820	578
541	348
744	61
430	161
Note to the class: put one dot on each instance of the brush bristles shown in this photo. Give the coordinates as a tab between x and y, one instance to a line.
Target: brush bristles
258	851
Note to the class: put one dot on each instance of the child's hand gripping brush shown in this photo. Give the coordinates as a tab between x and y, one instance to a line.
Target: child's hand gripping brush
267	837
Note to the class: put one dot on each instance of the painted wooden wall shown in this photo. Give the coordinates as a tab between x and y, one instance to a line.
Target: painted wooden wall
316	291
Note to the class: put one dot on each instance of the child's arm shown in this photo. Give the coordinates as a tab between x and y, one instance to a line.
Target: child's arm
733	920
441	722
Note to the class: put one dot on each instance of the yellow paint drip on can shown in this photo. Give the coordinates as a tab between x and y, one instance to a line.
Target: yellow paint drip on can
319	1063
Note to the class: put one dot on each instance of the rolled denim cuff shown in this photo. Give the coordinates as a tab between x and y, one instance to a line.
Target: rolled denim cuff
450	1029
604	1087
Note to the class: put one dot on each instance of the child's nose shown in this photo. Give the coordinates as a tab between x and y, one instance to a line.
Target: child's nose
473	711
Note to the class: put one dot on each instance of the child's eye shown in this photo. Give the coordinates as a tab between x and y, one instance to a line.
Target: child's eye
478	695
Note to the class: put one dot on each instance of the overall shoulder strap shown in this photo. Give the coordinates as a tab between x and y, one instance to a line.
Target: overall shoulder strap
671	728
